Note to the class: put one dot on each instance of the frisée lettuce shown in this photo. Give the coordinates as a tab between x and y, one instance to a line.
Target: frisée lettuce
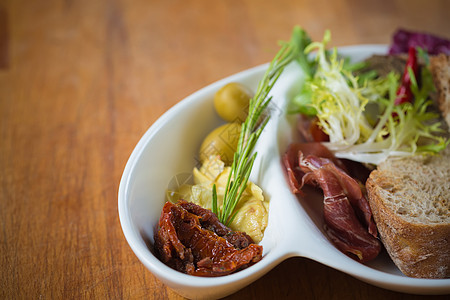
358	112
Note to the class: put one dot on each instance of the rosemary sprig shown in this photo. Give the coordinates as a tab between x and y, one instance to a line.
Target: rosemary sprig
252	127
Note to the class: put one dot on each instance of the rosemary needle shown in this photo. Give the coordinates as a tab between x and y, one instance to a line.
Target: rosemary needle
252	128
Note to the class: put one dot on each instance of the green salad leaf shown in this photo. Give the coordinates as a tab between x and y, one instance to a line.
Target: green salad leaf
358	113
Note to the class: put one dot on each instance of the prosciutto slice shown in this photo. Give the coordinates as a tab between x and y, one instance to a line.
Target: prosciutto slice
188	240
348	218
290	161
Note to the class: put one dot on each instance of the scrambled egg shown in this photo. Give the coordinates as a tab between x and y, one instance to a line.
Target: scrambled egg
252	216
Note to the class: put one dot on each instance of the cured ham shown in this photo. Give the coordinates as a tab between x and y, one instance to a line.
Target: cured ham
348	218
290	161
192	240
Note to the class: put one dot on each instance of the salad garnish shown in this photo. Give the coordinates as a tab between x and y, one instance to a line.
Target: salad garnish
361	118
252	128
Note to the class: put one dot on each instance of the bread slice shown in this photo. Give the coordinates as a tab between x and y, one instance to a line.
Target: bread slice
410	201
440	70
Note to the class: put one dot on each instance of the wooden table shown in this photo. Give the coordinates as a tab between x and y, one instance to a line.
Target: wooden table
81	81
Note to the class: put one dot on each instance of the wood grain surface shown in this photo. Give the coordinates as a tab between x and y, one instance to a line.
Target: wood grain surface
80	83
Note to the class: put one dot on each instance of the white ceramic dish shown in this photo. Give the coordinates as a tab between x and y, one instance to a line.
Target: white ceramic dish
168	152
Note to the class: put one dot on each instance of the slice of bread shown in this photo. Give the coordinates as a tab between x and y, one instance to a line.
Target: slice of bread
410	201
440	69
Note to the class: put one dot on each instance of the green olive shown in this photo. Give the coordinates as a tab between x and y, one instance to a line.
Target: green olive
221	141
231	102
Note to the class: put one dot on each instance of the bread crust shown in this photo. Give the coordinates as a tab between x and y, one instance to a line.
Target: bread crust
440	70
398	189
419	250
